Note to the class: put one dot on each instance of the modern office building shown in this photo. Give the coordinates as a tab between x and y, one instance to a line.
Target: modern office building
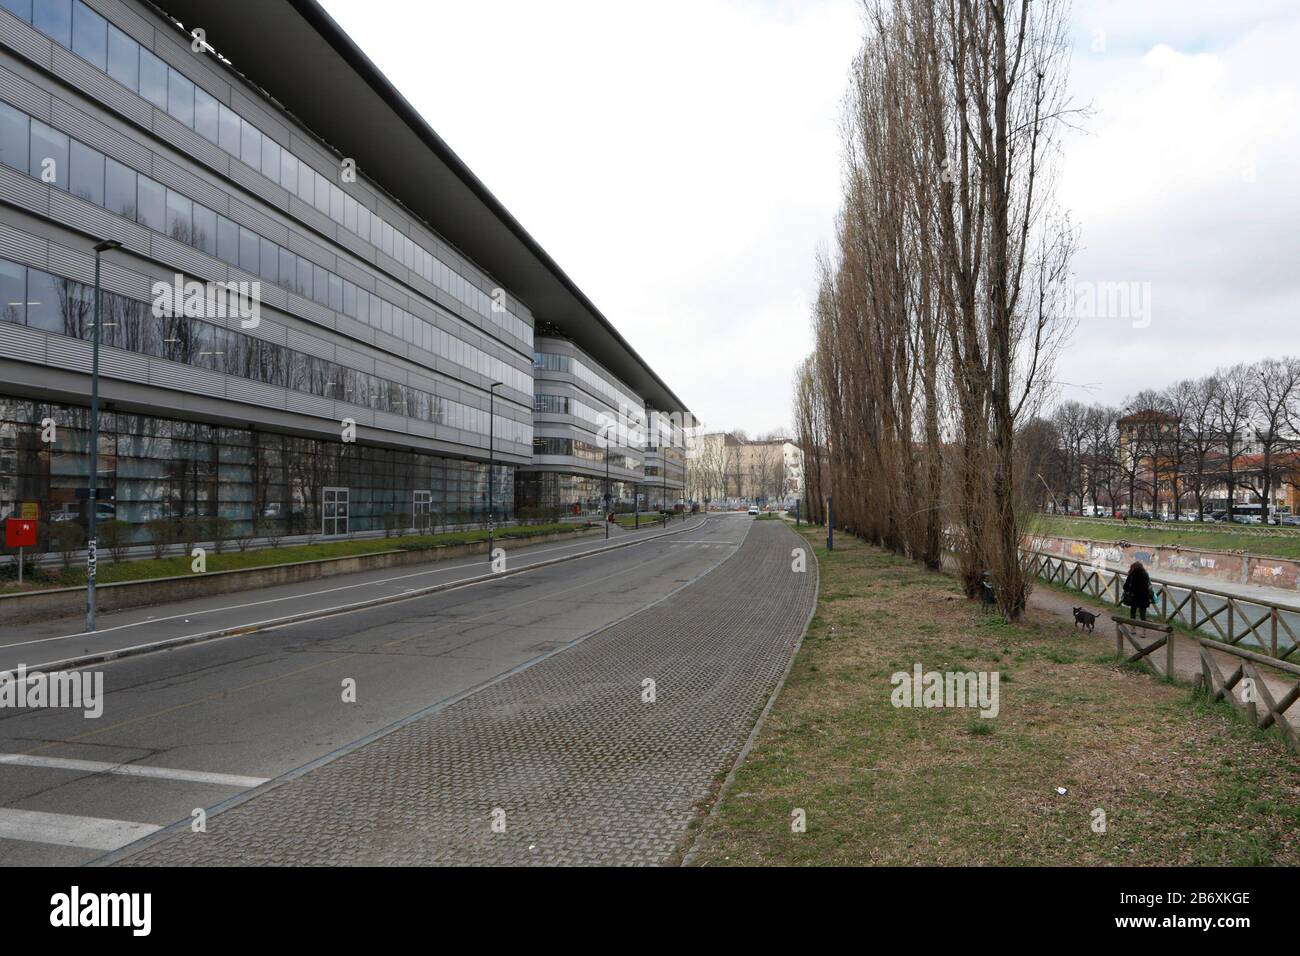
382	303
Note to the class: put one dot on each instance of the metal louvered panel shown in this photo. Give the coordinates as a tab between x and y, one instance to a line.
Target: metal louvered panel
72	264
94	133
21	247
84	77
255	183
127	366
16	90
309	405
18	190
21	343
354	360
63	352
186	378
389	422
254	393
169	174
313	312
94	221
20	37
126	282
259	223
182	257
275	296
301	342
314	217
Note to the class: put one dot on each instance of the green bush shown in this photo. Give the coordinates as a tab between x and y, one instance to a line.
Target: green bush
67	538
160	532
219	530
272	529
116	536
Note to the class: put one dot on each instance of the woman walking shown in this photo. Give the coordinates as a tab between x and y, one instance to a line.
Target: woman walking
1137	591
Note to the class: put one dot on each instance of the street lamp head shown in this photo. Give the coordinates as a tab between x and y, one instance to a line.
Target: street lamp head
495	385
107	244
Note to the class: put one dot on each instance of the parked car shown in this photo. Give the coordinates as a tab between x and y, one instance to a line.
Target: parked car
1292	521
753	509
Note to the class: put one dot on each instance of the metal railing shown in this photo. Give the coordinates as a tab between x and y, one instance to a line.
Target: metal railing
1230	618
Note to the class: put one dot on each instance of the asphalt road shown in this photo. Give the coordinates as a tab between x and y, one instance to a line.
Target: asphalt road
187	728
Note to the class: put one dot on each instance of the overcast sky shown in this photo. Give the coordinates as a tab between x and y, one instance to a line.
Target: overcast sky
680	160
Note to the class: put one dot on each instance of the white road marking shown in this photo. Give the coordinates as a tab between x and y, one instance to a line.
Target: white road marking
93	833
133	770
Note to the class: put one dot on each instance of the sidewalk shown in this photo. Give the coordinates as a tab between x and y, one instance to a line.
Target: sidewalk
567	757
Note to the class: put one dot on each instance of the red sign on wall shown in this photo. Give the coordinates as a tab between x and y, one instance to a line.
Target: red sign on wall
20	533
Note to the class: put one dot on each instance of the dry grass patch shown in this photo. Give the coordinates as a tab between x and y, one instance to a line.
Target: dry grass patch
1180	781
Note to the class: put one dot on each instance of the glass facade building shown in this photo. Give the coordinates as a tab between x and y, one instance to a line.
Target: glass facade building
375	356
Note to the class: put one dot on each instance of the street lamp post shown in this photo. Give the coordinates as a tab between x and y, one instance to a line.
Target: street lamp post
492	445
606	490
92	496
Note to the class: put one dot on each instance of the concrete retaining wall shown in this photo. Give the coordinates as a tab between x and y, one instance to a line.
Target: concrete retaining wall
65	602
1235	567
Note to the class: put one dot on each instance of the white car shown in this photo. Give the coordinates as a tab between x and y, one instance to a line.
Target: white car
753	509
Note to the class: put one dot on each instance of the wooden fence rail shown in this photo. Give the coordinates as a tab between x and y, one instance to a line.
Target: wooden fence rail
1237	619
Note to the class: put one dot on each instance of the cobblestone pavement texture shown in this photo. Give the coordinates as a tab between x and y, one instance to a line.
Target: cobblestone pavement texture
584	770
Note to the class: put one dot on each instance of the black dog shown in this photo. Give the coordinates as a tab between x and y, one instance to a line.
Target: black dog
1086	618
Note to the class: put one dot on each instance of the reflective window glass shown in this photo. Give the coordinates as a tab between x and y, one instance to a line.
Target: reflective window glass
89	35
54	19
87	173
153	79
14	131
119	188
49	156
151	203
123	58
207	115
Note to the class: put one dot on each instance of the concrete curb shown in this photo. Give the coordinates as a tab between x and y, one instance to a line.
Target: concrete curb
85	660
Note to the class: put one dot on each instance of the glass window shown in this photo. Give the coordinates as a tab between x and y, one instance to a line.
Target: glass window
180	97
22	9
250	149
207	115
350	299
230	130
304	277
43	302
322	198
336	293
349	213
336	203
87	173
288	171
153	79
270	159
249	253
288	268
13	137
119	188
227	240
123	58
49	155
205	229
320	284
54	19
151	203
270	265
89	35
180	217
13	292
306	182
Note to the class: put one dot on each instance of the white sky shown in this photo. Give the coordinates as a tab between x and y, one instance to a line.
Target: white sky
680	160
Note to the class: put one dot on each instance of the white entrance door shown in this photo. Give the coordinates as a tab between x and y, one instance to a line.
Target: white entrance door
334	511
